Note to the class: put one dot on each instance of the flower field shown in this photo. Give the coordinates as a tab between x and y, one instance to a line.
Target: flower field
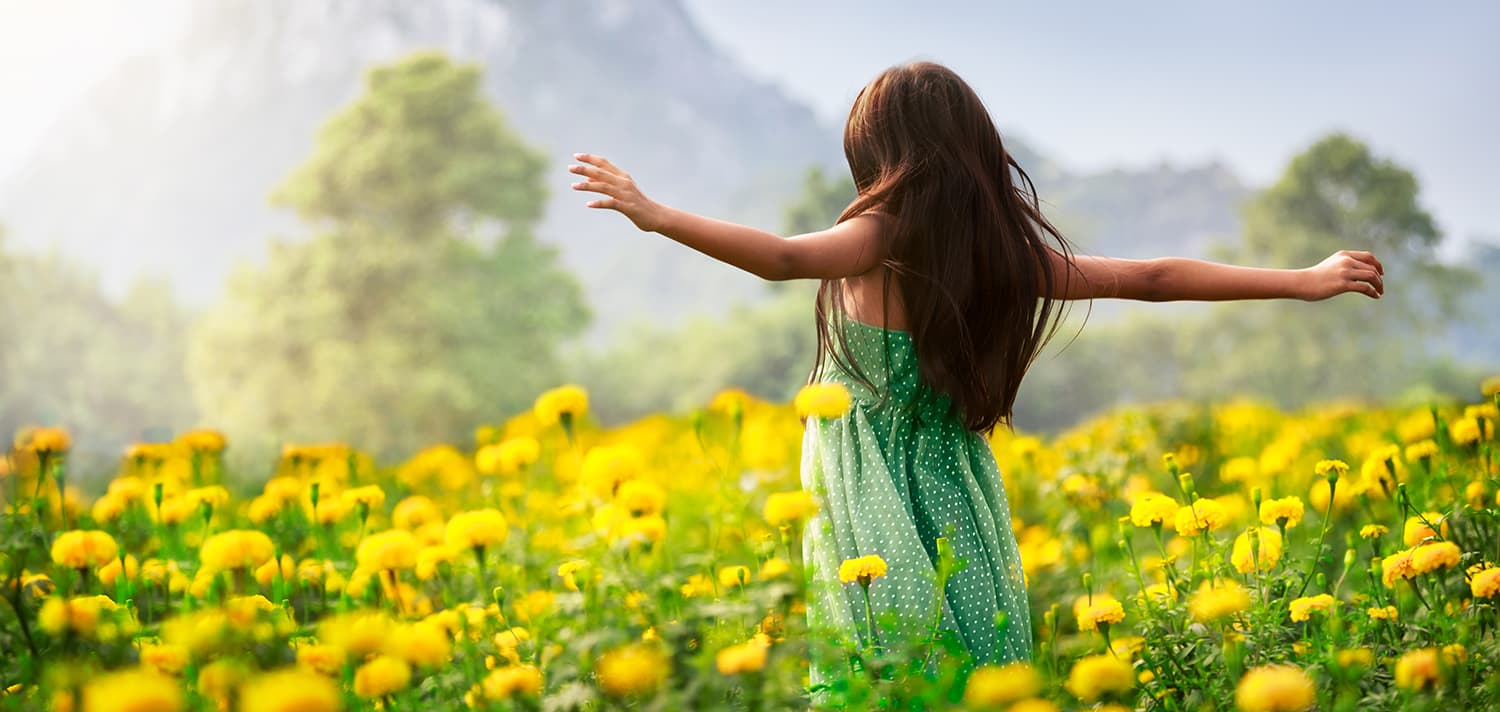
1178	557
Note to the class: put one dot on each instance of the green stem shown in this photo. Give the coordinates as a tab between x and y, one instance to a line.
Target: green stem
1318	552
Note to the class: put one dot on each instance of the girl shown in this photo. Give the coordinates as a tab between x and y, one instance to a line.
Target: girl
940	284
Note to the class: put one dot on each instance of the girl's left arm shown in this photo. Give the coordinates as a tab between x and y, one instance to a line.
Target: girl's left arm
849	248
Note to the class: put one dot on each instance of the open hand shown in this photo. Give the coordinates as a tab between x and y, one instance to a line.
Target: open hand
620	190
1345	271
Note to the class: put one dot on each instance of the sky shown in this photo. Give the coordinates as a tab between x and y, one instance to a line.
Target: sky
1093	85
1111	84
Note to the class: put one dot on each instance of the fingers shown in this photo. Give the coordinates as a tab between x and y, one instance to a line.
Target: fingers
1364	257
592	172
601	162
1365	288
595	186
1368	276
606	203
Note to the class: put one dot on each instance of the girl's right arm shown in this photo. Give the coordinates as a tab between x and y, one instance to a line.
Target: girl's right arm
1169	279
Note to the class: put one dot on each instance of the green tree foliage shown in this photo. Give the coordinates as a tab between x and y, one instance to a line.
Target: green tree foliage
1335	195
823	199
107	369
403	323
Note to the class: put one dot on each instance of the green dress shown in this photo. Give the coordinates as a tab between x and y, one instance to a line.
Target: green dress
891	480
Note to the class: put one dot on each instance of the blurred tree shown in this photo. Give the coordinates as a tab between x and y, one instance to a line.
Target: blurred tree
1335	195
404	323
109	370
823	199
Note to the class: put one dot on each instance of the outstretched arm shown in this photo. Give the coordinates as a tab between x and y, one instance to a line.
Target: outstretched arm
1169	279
846	249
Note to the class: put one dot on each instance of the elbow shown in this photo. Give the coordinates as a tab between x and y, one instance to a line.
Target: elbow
1152	285
780	264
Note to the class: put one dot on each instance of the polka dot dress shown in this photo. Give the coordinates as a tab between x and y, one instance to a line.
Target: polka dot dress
890	480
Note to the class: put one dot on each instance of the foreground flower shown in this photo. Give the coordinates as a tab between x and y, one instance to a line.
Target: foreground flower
483	527
1283	512
83	549
237	549
863	569
1437	555
1214	602
510	681
1417	669
1096	676
1486	583
132	690
381	676
994	686
1099	608
1152	510
564	404
293	690
1202	515
1259	554
1275	688
788	507
632	670
1303	608
390	550
749	656
822	400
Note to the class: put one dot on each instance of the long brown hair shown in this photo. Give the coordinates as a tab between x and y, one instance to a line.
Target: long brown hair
967	241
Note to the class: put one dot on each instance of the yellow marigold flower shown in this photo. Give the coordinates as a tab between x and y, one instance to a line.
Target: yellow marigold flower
508	641
1096	676
1397	566
132	691
357	633
1285	512
82	549
80	614
1384	613
1153	509
263	508
390	550
174	510
1372	531
46	441
324	659
567	570
1467	431
1490	386
265	574
109	572
640	529
290	690
213	496
1099	608
381	676
1423	667
1331	468
106	508
509	457
606	467
565	404
1201	515
749	656
640	498
506	682
1275	688
697	585
1421	451
995	686
1239	469
1353	658
635	669
421	644
1211	603
822	400
237	549
1042	704
481	527
774	567
1303	608
732	576
1418	531
165	658
1436	555
1244	556
862	569
534	604
788	507
1476	495
370	495
413	512
1486	583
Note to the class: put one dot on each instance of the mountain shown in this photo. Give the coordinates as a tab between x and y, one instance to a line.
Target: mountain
164	167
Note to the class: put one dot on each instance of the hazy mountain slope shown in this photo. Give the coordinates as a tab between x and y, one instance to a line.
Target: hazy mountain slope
165	165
